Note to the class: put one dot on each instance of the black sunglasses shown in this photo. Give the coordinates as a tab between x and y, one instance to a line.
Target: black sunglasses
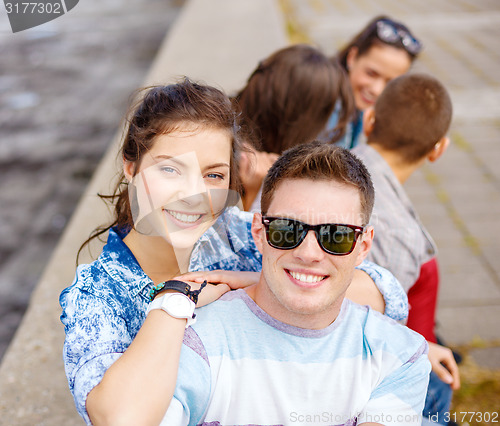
333	238
392	32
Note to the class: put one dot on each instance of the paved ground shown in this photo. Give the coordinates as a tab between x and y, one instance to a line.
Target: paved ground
63	89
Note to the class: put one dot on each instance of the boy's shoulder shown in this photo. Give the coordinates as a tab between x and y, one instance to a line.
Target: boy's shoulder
381	333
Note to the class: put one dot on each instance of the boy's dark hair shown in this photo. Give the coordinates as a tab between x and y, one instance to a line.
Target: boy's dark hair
320	161
411	115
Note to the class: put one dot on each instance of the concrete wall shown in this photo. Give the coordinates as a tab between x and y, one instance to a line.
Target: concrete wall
216	41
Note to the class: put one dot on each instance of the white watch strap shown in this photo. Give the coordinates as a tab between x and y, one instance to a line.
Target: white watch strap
157	303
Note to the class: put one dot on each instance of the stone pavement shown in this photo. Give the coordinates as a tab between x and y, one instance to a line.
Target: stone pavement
458	197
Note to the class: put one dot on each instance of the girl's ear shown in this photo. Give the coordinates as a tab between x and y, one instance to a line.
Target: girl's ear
128	169
351	57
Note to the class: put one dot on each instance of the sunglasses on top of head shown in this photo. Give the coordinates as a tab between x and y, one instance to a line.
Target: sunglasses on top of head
334	238
392	32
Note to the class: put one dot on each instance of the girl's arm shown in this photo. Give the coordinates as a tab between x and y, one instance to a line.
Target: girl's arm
138	387
382	284
364	291
371	285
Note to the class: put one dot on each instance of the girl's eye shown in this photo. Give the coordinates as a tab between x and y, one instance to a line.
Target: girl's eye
216	176
168	170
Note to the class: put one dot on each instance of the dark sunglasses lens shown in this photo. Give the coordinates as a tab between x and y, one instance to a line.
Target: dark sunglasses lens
337	239
411	45
387	32
284	233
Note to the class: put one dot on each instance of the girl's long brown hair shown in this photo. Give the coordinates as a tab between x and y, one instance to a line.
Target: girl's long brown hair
290	96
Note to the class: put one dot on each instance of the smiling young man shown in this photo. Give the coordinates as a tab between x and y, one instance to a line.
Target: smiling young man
292	349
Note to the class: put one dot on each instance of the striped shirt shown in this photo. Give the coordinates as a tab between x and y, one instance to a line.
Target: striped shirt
239	366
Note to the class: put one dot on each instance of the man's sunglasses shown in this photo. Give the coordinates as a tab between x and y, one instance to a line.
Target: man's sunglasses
391	32
333	238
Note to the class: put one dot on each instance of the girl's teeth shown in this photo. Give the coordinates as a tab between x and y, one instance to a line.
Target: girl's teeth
188	218
307	278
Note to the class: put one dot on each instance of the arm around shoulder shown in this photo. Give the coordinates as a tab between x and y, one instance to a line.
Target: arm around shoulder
382	291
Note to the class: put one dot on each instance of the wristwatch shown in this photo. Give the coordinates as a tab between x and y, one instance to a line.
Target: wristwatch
177	305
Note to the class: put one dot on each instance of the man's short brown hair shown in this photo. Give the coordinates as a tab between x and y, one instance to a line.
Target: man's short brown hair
411	115
320	161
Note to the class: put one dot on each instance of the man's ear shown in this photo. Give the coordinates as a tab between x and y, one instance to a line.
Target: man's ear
368	121
438	149
365	244
351	57
128	170
258	231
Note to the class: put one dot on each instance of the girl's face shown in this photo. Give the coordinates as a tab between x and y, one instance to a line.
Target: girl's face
181	185
370	72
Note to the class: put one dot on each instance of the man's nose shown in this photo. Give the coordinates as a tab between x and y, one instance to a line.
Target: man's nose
309	250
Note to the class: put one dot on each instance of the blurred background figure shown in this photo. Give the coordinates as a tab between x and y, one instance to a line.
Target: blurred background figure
287	101
382	51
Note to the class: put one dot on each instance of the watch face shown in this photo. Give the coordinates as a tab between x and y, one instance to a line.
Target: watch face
178	305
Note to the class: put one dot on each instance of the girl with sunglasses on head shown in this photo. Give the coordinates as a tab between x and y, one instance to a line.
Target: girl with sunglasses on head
125	313
382	51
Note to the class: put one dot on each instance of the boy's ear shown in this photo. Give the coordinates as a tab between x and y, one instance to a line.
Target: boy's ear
365	244
368	121
258	231
438	149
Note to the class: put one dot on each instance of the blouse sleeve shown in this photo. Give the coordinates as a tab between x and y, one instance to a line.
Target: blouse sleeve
95	338
396	300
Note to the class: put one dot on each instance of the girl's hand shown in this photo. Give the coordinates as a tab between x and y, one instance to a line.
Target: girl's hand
219	282
210	293
234	279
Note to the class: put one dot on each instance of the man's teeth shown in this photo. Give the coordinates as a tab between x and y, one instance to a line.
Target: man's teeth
188	218
307	278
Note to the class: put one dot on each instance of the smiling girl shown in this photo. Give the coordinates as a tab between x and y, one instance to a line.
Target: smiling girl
177	185
383	50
